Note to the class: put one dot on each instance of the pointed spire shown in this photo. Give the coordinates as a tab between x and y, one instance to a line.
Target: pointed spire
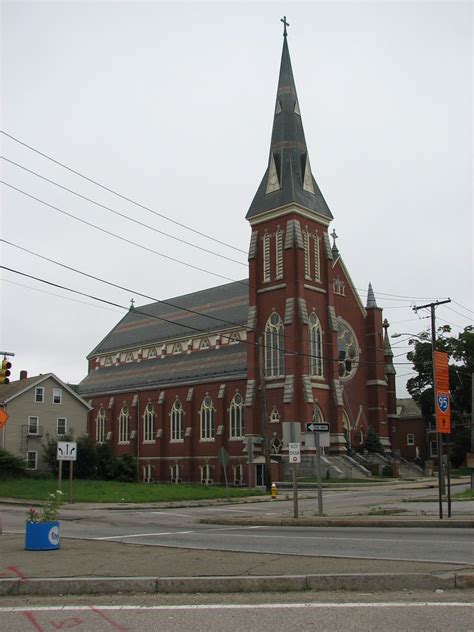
288	178
387	350
371	302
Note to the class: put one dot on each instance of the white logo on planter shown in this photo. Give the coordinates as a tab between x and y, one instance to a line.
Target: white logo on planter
53	535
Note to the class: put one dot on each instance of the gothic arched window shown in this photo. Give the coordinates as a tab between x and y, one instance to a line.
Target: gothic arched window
315	336
100	422
234	337
124	425
149	423
347	349
205	344
176	421
317	267
307	263
274	346
207	416
236	417
178	348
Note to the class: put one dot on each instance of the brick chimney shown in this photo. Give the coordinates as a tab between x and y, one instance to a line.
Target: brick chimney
23	375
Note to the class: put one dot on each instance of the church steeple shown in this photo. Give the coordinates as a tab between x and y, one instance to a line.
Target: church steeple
288	178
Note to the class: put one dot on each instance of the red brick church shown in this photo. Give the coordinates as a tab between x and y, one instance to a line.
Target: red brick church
176	381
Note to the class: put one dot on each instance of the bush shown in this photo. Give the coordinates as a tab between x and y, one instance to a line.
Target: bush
387	470
124	468
105	458
11	466
86	464
372	443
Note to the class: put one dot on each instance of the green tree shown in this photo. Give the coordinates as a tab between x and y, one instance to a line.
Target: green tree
460	352
11	466
86	465
372	443
105	460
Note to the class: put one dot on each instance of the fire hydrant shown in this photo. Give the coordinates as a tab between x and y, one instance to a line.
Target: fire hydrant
274	491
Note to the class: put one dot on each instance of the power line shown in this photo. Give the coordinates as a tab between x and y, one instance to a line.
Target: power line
169	321
44	155
458	313
120	195
115	212
466	308
110	233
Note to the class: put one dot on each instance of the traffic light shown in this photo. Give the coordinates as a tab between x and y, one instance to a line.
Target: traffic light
5	372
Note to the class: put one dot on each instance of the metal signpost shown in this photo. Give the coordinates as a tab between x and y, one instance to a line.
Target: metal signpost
294	456
67	451
443	413
318	428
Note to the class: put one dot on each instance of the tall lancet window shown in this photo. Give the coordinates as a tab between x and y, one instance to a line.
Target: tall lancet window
278	254
149	423
100	422
176	421
307	263
274	347
315	346
208	419
266	257
124	425
236	417
317	266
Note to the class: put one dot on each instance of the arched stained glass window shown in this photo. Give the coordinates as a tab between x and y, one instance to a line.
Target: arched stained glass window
124	425
274	347
315	346
207	416
176	421
348	353
149	423
100	423
236	417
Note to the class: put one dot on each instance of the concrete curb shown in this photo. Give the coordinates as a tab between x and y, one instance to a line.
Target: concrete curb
314	521
371	582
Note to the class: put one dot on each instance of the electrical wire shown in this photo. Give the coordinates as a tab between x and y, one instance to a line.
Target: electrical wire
119	214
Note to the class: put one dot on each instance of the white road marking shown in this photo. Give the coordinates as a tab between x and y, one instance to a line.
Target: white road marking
166	513
144	535
250	606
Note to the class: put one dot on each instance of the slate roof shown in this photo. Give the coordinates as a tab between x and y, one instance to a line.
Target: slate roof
12	390
156	322
407	407
289	151
230	361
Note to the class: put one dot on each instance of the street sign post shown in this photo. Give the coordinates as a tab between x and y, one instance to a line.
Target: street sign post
66	451
313	426
294	453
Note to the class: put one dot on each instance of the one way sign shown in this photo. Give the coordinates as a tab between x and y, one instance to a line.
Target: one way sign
67	451
312	426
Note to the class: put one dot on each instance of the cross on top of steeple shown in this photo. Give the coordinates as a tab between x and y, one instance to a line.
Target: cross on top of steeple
285	24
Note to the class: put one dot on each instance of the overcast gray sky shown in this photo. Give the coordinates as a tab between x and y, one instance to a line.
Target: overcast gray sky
171	104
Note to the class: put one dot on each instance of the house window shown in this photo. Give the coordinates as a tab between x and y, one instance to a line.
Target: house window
347	348
206	474
176	420
315	346
33	425
317	266
266	257
433	448
61	426
39	394
57	395
149	423
238	474
100	422
32	460
274	347
176	473
410	439
307	263
278	254
124	425
236	417
207	415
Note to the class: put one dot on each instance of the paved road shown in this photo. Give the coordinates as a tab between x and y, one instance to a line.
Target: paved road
455	615
179	527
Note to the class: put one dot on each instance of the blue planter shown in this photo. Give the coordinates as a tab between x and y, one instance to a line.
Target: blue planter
42	536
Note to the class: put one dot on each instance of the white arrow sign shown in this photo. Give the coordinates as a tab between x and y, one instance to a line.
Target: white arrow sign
67	451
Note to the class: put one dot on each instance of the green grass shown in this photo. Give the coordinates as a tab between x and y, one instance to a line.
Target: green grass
114	492
467	494
329	481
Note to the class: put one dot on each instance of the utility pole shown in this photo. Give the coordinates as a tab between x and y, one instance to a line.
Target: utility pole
263	419
432	307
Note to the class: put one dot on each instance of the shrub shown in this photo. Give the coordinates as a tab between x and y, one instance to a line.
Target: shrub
124	468
387	470
11	466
